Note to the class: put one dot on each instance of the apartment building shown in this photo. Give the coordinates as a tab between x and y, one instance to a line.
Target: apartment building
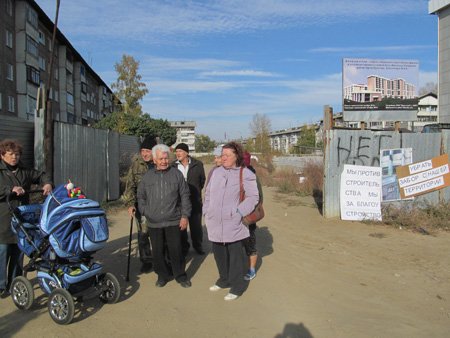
442	9
427	112
185	133
378	87
78	95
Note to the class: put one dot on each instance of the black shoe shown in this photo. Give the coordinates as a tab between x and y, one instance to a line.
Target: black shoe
4	293
200	251
160	283
146	267
186	284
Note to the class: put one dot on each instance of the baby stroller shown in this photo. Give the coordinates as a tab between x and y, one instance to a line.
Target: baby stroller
59	237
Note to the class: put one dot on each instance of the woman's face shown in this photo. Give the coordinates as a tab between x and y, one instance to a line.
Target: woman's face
11	158
229	158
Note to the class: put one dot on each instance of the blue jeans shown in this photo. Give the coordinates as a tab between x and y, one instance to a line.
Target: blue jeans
10	264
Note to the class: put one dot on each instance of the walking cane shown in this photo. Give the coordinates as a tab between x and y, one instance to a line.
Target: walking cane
129	250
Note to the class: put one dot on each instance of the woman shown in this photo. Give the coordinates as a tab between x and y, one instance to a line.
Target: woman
13	178
223	213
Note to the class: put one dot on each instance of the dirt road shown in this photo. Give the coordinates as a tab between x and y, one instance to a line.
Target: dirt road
316	278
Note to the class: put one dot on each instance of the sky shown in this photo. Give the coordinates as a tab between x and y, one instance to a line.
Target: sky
221	62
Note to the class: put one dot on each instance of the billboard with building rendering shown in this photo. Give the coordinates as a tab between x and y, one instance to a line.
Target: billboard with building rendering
380	90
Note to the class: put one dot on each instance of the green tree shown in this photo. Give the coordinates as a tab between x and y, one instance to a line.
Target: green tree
203	144
260	129
139	126
307	138
129	88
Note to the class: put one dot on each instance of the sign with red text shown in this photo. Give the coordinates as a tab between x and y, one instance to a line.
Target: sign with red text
423	177
360	193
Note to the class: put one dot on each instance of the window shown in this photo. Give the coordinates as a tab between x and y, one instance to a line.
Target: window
32	47
83	87
11	104
1	102
56	95
69	98
56	74
31	105
9	7
32	17
10	72
42	63
9	39
41	37
33	75
82	71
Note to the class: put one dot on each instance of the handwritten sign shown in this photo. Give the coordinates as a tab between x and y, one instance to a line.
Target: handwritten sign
360	193
423	177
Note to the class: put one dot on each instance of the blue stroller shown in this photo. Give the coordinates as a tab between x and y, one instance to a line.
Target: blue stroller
59	237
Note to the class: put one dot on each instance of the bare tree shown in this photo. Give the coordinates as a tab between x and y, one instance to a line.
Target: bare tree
260	128
430	87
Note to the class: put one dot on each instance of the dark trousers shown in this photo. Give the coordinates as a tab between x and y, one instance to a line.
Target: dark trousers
231	263
11	259
169	239
145	251
196	230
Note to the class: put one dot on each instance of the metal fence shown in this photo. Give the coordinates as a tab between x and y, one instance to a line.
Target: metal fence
93	159
362	147
23	132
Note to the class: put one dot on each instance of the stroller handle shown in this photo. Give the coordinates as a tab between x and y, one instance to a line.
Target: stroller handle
13	194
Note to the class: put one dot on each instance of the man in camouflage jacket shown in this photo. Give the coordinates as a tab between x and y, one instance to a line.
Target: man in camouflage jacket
140	164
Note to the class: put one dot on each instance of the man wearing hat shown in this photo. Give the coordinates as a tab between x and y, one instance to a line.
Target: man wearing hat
140	164
194	174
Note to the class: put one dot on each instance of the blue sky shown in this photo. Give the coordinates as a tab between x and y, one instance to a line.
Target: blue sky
220	62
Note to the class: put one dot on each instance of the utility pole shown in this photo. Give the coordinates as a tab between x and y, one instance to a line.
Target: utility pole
48	134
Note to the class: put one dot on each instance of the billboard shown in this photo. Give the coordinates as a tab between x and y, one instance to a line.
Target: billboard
380	90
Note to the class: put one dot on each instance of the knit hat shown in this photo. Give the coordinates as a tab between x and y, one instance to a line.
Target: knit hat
246	157
182	146
217	151
148	143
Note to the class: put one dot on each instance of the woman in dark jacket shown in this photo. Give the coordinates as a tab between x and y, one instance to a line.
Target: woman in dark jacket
13	178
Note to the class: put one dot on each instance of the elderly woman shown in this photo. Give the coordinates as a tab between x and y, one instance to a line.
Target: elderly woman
13	178
223	210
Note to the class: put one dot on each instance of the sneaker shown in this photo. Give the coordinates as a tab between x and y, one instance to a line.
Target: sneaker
186	284
4	293
231	296
250	275
215	287
160	283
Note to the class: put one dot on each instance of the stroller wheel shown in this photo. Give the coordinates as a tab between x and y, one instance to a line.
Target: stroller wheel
22	293
111	289
61	306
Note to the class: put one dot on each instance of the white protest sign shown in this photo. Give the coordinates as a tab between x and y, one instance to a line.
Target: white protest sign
360	195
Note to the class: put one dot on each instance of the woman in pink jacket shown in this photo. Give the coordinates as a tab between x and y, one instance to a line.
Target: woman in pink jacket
223	211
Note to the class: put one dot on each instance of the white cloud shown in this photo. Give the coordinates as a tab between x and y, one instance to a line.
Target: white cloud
370	49
157	22
243	72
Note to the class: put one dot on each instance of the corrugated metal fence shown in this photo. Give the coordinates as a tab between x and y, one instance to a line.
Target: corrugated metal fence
93	159
362	147
22	131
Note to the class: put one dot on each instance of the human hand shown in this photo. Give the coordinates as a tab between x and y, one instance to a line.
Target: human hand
47	189
18	190
183	223
131	211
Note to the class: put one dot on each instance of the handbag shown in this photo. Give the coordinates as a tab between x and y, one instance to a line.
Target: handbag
258	213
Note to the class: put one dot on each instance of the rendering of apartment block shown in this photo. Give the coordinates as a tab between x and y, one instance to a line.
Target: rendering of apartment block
78	95
185	133
377	88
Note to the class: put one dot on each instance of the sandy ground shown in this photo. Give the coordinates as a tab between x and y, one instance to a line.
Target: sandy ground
316	278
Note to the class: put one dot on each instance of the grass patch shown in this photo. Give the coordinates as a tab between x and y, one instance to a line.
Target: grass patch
420	217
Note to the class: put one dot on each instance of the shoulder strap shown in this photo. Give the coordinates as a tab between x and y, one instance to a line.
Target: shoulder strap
241	185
